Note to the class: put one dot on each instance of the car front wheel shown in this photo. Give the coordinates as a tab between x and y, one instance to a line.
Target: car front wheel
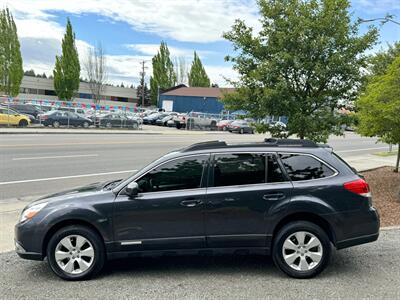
75	253
301	249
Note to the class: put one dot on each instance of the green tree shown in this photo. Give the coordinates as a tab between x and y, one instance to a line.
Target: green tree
197	75
164	75
379	62
307	56
67	69
379	107
11	71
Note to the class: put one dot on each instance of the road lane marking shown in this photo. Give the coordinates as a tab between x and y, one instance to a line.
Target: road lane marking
65	177
51	157
363	149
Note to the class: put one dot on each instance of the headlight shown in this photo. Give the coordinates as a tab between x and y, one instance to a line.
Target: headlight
32	211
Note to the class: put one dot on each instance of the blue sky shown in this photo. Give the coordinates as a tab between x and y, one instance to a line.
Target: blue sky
131	31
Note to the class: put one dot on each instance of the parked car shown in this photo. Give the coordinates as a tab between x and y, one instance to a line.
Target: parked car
223	125
152	119
58	118
201	121
163	121
240	126
292	199
26	109
116	120
13	118
178	121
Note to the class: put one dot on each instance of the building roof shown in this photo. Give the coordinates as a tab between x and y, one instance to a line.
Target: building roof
199	91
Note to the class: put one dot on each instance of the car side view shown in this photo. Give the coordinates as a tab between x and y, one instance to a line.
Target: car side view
291	199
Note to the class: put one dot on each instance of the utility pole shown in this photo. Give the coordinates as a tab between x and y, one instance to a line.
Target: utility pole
142	74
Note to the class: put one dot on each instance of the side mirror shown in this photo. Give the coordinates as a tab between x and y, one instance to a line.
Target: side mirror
132	189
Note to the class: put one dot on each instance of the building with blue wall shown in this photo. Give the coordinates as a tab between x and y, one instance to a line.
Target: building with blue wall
193	99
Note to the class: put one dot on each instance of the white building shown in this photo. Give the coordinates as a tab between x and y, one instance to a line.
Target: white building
36	88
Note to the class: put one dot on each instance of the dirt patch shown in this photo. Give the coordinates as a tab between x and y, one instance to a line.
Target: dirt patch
385	188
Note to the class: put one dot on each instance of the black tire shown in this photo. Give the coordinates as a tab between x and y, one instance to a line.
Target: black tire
23	123
56	124
287	231
92	237
241	131
85	124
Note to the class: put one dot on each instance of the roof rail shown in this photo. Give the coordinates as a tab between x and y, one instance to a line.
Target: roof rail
290	143
205	145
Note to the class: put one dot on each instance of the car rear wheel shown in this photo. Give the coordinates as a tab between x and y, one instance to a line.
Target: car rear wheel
75	253
108	125
56	124
135	125
85	124
23	123
301	249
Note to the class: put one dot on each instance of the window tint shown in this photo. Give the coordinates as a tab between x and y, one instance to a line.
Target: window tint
239	169
184	173
274	172
304	167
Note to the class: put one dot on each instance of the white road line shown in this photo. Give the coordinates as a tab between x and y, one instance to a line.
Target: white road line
363	149
51	157
66	177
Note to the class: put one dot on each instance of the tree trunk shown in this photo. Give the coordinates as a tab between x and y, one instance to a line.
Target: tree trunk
396	169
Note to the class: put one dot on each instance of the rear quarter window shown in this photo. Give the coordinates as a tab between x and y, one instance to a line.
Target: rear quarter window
304	167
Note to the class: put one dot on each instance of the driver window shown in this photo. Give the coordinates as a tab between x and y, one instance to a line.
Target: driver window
179	174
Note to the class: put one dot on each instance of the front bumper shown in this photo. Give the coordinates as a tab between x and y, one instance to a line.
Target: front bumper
27	255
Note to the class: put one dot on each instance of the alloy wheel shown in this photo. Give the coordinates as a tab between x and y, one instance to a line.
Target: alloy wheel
74	254
302	251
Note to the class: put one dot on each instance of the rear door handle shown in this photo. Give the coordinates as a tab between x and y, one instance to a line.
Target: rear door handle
191	203
274	196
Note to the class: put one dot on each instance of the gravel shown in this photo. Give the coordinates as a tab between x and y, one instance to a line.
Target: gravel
385	189
367	271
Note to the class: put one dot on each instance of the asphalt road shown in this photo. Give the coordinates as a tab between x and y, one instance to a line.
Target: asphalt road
37	164
367	271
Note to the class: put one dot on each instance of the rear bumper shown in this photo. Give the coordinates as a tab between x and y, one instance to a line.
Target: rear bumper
355	228
357	241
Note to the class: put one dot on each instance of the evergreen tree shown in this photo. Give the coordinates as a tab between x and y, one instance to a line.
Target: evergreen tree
11	71
143	93
30	73
67	68
197	75
164	75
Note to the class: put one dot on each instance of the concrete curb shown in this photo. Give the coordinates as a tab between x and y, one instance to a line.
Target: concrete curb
397	227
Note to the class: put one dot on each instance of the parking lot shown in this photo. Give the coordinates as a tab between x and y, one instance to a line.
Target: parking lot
367	271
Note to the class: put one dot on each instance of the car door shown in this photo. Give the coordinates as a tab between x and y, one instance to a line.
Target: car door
244	191
168	211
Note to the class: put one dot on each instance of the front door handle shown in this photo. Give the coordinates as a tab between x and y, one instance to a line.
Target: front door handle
274	196
191	203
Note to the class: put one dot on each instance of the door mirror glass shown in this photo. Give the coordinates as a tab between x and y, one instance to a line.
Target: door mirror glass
132	189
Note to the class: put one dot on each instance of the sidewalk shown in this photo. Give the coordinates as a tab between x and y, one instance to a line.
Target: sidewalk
147	129
370	161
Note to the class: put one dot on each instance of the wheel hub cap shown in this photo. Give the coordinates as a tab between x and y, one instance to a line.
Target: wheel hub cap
74	254
302	251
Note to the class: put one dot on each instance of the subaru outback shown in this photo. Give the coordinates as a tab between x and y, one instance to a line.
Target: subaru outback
292	199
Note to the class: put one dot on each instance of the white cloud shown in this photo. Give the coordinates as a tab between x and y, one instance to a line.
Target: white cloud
182	20
376	6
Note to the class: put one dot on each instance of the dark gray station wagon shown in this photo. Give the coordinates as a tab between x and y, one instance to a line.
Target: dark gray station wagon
291	199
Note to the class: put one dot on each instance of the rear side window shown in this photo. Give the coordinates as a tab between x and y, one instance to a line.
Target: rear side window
304	167
274	172
239	169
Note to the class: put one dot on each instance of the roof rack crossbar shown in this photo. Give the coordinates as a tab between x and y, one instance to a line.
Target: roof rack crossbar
291	143
205	145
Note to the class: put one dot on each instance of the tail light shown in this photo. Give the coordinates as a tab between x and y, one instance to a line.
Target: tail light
44	117
359	186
